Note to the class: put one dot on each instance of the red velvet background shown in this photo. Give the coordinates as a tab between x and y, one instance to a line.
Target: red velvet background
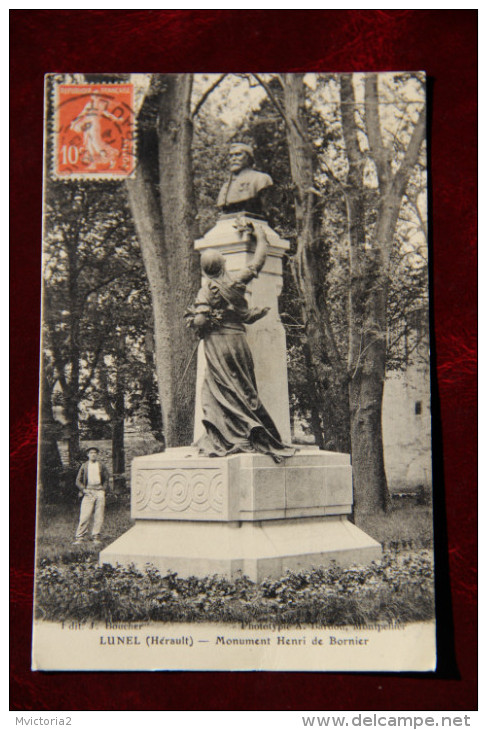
442	42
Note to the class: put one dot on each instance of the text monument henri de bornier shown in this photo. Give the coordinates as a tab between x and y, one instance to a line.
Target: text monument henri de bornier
242	499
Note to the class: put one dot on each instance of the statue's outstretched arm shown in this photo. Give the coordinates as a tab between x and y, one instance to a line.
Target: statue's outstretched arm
260	250
251	271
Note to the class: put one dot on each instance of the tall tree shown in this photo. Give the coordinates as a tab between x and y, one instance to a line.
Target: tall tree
371	220
322	350
370	276
91	264
162	202
120	385
50	465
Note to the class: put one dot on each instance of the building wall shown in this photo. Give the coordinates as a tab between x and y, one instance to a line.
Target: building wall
406	427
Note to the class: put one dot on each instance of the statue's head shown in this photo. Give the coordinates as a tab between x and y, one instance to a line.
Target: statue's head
212	263
240	156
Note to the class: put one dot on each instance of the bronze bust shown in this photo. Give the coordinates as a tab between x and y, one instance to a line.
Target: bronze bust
243	190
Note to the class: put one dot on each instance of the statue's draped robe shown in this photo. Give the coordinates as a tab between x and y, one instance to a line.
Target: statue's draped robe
235	419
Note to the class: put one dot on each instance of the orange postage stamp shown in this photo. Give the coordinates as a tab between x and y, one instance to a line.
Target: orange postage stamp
94	133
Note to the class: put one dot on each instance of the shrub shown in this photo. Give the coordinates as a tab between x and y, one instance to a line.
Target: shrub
393	589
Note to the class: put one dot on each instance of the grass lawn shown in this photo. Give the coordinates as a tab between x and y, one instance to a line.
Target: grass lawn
407	527
58	523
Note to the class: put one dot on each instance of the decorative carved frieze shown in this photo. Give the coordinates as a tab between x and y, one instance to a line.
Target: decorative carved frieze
178	490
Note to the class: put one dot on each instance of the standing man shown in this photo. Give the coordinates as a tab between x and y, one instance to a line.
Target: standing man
92	482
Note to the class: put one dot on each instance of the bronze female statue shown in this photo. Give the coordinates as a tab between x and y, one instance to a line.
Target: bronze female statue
234	417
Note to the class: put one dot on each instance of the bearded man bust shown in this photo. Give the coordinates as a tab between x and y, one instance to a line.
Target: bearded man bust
244	189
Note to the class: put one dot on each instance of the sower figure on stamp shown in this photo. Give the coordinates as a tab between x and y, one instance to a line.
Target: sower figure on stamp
92	482
234	417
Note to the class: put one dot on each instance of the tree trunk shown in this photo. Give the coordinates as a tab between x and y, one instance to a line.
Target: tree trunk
368	363
118	453
166	230
366	389
74	449
331	391
367	330
68	373
118	426
369	284
50	464
182	264
150	387
315	410
72	396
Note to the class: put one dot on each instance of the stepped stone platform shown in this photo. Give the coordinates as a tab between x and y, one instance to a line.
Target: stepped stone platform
242	513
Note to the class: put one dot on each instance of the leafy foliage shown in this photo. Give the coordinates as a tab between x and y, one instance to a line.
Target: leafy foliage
396	588
97	324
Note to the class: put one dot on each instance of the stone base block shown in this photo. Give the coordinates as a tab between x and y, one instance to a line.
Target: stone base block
256	549
230	242
180	485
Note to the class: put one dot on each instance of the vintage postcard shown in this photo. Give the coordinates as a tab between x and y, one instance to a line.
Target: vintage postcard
235	439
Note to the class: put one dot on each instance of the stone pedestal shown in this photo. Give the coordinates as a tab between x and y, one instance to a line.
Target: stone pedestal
266	338
242	513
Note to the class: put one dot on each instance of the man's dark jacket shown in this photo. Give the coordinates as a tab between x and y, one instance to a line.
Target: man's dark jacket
82	478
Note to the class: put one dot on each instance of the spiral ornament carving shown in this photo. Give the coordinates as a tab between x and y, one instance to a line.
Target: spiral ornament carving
178	490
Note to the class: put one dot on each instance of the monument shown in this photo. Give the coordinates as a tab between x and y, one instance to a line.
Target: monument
242	499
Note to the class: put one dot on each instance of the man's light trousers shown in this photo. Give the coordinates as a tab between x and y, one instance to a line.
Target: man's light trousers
93	500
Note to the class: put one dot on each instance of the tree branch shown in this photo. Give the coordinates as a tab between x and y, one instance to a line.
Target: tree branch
272	97
104	393
207	94
89	377
412	152
335	180
102	284
349	127
374	134
288	121
59	363
413	202
87	258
